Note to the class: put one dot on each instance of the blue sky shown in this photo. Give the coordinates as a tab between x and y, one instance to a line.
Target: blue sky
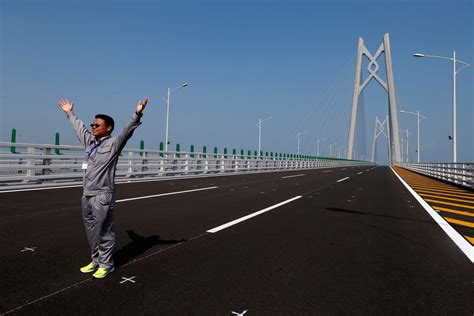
244	60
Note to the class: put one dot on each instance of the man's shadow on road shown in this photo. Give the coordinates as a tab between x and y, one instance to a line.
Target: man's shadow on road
138	246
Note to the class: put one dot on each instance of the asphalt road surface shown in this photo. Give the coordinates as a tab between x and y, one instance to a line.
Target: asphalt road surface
333	241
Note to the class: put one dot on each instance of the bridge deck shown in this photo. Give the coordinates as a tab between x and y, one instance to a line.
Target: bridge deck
356	242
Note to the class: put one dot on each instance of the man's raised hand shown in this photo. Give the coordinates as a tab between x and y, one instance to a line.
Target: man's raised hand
66	105
141	105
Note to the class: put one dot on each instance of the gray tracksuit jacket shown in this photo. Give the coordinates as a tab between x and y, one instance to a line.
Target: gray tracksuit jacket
102	155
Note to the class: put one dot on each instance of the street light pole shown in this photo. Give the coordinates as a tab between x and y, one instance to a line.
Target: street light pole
455	72
298	136
168	111
419	118
318	144
406	152
330	149
260	133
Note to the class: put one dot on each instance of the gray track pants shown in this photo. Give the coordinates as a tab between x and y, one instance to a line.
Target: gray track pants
98	216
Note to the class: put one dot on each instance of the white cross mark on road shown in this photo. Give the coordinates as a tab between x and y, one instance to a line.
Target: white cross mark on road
28	249
128	279
240	314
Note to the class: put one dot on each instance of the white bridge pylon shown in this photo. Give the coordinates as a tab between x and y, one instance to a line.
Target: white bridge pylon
389	86
380	128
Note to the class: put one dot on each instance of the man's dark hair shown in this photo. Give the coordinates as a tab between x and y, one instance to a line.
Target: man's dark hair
107	119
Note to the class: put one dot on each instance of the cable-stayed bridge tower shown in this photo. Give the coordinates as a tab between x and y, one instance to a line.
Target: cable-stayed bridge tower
389	86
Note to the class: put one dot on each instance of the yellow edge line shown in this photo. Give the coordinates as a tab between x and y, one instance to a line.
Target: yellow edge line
452	204
438	208
445	198
458	222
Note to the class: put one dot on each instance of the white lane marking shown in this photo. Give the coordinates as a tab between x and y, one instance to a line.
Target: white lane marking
234	222
28	249
37	189
462	243
240	314
360	172
130	279
340	180
328	171
164	194
298	175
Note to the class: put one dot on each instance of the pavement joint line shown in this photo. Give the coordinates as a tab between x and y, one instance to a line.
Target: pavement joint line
48	295
297	175
343	179
163	250
462	243
164	194
244	218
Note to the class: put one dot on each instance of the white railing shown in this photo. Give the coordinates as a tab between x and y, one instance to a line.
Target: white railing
23	165
458	173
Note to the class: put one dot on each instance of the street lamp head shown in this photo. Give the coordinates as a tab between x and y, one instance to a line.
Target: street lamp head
184	85
418	55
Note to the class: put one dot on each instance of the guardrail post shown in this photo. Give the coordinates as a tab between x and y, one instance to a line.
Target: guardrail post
247	162
224	159
144	154
162	146
142	147
30	162
57	143
161	160
13	141
255	159
186	163
206	162
130	165
46	162
176	160
235	161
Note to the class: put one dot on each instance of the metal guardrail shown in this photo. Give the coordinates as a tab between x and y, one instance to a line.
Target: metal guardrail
30	165
458	173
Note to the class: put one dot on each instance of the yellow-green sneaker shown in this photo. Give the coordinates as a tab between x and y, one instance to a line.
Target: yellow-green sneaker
89	268
103	272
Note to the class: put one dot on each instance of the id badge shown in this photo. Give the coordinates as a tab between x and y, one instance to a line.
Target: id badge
84	166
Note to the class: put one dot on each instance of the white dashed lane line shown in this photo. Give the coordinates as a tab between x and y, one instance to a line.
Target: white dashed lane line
297	175
164	194
234	222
